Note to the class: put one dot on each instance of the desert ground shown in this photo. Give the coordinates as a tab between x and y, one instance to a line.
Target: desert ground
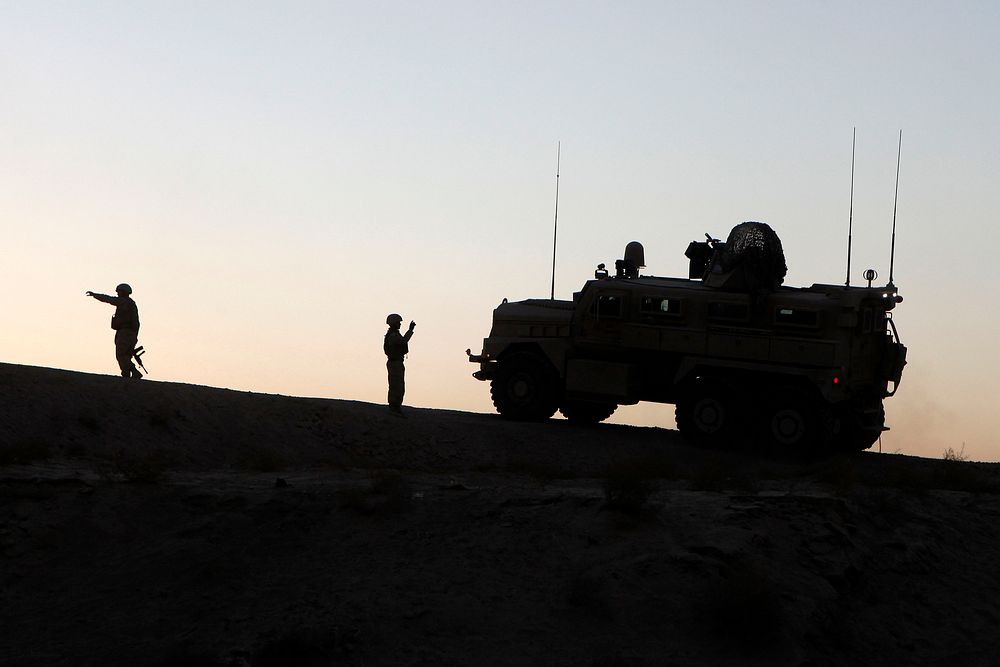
152	523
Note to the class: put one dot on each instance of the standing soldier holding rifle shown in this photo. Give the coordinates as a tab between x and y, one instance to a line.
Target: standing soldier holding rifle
125	322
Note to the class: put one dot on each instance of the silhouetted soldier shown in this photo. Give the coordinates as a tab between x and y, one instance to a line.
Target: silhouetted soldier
125	322
395	347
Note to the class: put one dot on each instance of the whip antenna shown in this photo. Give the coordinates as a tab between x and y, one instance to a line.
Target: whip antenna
892	251
850	216
555	223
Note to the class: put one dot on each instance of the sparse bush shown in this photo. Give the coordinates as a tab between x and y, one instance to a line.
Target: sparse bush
951	455
25	450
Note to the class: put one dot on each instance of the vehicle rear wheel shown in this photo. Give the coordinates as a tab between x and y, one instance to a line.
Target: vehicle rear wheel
524	388
587	412
708	414
796	424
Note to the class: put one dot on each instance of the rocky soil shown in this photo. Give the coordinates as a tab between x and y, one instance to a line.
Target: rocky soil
167	524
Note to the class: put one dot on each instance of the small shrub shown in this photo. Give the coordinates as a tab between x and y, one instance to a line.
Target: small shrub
951	455
25	450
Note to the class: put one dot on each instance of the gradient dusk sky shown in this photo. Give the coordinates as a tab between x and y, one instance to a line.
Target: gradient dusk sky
274	178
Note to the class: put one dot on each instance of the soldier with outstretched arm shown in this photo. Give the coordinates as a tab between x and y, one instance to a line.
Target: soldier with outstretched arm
125	322
395	346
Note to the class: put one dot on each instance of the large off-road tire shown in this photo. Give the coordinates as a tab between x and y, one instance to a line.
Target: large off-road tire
859	431
709	414
587	412
525	388
794	423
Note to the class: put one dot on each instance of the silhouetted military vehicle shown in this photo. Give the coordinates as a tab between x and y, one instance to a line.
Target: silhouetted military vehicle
742	357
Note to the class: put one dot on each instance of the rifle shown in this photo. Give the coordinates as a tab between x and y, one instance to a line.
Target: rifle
137	353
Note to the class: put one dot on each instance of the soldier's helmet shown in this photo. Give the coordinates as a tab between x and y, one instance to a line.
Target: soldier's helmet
124	287
394	318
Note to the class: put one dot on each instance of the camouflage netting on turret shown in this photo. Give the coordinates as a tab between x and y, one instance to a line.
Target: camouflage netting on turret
754	247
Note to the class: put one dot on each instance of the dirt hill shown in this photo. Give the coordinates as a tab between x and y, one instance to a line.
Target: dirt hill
167	524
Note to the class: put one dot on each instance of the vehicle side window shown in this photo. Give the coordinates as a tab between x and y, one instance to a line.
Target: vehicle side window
657	305
796	317
608	305
728	311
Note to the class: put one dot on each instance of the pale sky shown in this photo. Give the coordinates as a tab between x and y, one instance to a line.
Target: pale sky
274	178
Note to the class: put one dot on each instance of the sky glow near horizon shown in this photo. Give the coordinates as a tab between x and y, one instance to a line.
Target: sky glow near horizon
273	181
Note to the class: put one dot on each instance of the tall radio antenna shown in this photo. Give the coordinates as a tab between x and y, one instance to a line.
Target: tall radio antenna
892	251
850	217
555	223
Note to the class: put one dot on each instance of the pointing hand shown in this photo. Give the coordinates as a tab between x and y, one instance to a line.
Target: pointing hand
90	294
412	325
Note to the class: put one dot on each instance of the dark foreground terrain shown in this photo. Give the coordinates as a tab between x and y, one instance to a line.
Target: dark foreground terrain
169	524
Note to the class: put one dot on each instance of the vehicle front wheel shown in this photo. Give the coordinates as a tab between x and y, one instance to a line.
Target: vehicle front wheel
524	388
587	412
708	414
860	429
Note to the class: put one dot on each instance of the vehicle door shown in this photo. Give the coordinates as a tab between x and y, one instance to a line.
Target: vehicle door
603	317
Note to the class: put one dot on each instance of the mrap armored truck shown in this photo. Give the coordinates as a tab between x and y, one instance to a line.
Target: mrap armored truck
743	358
